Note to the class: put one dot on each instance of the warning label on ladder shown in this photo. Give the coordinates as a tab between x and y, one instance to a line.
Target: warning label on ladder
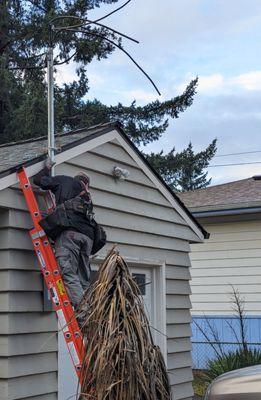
60	287
73	353
62	319
41	259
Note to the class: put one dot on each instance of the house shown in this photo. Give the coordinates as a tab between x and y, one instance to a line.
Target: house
231	213
153	230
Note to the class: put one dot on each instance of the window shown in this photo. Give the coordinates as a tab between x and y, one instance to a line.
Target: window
140	279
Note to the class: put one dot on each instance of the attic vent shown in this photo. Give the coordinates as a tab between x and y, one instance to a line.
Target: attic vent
29	156
257	177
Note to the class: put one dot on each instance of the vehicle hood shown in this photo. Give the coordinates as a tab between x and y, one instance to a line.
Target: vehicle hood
241	384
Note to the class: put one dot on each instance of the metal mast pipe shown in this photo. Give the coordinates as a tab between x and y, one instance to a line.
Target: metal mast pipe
50	84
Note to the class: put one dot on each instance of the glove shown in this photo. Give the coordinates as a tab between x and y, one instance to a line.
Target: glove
49	163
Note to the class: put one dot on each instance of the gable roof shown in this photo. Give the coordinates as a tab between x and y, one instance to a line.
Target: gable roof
29	153
244	193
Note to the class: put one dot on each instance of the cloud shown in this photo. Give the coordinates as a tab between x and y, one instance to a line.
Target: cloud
215	84
66	74
249	81
141	96
216	40
207	84
95	79
211	82
233	173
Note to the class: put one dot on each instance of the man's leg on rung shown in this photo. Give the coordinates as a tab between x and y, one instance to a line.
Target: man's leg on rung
67	251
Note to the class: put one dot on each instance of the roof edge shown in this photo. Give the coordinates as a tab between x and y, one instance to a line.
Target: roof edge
206	234
105	129
226	212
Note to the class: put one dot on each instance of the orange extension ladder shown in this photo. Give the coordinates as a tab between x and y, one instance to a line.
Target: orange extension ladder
53	279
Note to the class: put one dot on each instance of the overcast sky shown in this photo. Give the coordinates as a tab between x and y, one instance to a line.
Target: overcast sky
217	40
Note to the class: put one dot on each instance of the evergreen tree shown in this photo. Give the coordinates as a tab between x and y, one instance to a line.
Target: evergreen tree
184	171
24	39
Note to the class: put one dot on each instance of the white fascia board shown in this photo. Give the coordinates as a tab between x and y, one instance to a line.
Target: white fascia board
66	155
86	146
98	141
161	187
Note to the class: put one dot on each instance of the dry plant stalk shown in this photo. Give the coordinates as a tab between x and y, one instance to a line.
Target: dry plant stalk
121	360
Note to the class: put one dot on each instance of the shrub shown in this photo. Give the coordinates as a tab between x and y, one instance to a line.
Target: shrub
230	361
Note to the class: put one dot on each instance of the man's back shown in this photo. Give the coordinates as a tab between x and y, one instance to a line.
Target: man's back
62	186
66	188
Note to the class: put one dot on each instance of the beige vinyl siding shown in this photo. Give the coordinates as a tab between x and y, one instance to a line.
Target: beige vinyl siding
145	226
147	229
232	256
28	343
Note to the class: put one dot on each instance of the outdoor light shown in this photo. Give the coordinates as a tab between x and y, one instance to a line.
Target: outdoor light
120	173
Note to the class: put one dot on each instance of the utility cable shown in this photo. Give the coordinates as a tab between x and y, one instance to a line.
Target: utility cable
86	32
97	20
61	28
58	29
113	12
237	154
232	164
120	48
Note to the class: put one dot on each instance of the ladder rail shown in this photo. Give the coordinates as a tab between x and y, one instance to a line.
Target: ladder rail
53	279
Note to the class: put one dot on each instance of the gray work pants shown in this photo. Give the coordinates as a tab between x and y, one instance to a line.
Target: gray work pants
72	250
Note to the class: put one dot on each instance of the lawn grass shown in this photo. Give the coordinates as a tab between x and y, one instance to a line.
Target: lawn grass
199	385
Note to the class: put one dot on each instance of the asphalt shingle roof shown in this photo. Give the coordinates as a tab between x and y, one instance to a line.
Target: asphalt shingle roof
16	153
243	193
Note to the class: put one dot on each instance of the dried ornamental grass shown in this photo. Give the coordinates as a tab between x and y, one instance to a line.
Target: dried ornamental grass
121	360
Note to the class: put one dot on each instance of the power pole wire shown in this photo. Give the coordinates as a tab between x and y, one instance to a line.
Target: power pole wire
119	47
232	164
62	28
237	154
84	22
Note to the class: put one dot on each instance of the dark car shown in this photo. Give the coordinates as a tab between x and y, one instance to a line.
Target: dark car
241	384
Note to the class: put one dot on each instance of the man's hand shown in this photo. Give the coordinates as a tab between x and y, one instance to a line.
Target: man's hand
49	163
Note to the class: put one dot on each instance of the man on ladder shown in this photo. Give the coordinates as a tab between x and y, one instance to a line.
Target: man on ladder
74	242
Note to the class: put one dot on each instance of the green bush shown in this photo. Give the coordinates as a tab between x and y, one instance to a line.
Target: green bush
230	361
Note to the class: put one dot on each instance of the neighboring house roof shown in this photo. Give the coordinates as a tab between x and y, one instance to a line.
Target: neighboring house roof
29	153
242	194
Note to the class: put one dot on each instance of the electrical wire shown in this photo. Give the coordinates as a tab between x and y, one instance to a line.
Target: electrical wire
97	20
83	30
237	154
31	67
234	164
120	48
61	28
113	12
58	29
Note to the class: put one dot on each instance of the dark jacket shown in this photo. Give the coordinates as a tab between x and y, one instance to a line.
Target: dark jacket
65	188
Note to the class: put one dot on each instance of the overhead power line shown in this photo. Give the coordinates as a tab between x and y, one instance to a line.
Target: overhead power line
237	154
234	164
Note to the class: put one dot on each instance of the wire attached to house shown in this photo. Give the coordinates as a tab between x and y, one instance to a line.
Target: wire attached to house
82	25
120	48
31	67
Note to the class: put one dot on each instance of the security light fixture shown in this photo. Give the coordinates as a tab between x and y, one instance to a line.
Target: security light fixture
120	173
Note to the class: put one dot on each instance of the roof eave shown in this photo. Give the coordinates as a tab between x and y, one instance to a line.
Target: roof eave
110	127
